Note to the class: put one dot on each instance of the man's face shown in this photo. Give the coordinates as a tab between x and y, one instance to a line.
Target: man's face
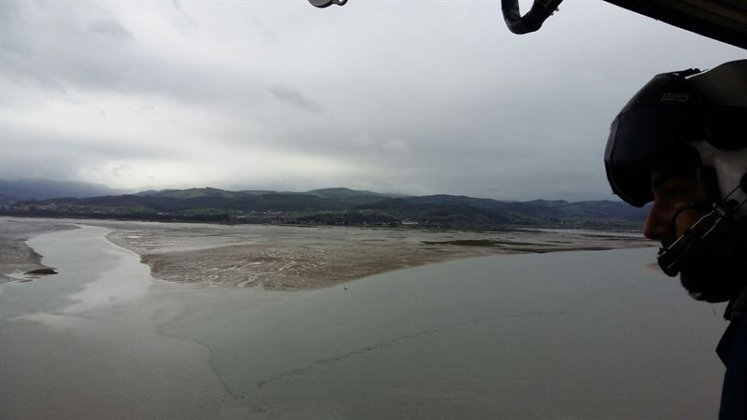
674	195
706	270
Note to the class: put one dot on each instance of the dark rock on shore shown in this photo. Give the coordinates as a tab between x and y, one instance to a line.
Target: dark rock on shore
41	272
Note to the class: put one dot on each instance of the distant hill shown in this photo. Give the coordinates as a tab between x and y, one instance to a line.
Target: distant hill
462	210
335	206
352	197
39	189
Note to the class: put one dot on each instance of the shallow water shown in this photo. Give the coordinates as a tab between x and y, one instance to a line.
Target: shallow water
83	344
563	335
568	335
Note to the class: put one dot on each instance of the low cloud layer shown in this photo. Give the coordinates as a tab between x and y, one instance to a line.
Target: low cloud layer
408	97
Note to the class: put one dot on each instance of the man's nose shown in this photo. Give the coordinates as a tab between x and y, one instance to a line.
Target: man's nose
658	224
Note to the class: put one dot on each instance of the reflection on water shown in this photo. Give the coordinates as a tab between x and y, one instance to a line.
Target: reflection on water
580	335
83	344
564	335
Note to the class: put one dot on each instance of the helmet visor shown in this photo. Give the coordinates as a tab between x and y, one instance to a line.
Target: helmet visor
638	138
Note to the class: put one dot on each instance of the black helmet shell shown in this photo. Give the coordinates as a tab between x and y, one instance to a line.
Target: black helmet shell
670	111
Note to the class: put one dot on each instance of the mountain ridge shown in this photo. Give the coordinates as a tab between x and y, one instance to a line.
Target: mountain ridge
330	206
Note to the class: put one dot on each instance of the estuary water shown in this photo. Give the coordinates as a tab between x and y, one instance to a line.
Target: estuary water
574	335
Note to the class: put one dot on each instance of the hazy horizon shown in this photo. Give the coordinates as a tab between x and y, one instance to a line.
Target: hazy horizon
109	190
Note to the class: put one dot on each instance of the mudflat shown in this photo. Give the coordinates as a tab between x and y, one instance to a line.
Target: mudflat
17	260
290	257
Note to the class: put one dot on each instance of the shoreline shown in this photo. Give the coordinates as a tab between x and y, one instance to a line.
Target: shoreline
293	258
18	260
86	343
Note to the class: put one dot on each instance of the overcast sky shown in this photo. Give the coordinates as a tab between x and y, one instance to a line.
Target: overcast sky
414	97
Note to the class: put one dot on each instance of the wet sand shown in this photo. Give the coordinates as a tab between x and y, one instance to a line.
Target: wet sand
295	258
17	259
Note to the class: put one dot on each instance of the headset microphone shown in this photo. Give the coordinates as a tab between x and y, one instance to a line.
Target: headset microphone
672	257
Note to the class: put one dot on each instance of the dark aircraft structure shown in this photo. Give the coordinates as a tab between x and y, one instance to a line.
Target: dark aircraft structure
723	20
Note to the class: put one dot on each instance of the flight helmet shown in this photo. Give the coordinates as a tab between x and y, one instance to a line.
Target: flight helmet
700	117
704	110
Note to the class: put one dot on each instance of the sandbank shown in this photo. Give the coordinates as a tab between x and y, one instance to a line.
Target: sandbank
295	258
18	261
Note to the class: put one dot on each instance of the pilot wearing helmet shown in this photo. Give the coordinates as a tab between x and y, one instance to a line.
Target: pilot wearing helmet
681	143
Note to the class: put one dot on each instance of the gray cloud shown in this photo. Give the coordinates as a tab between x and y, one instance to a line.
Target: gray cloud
112	28
288	94
283	95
